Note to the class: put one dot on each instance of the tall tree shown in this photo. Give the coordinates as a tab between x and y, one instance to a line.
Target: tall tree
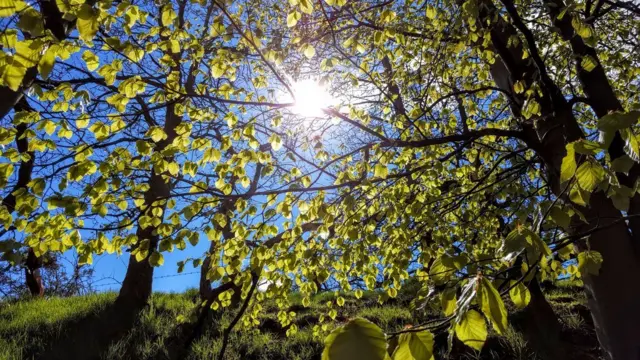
491	96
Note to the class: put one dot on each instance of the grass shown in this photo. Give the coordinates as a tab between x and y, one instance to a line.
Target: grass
29	329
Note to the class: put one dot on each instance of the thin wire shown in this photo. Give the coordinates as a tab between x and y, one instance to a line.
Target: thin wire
155	277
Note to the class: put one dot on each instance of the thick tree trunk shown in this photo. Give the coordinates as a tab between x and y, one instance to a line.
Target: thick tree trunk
614	300
137	285
613	295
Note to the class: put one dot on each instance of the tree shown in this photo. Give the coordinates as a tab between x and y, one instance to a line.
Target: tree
484	95
61	276
481	146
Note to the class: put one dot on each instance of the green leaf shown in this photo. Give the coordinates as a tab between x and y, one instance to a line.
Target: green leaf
622	164
620	201
414	346
616	121
492	305
589	175
168	15
45	65
380	171
589	262
587	147
588	63
569	165
292	18
91	60
358	339
560	217
520	295
156	259
472	330
87	22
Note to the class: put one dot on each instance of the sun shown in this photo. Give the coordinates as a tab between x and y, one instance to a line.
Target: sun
311	98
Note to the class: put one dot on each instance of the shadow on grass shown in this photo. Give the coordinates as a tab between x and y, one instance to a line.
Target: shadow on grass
88	337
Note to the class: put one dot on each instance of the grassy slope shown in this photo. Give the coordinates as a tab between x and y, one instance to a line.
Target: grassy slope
28	329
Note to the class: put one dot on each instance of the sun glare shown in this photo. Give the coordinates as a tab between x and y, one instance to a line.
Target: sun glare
310	98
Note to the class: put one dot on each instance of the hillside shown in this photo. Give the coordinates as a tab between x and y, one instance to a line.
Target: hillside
61	328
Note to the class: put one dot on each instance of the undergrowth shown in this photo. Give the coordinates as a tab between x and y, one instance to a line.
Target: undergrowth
29	328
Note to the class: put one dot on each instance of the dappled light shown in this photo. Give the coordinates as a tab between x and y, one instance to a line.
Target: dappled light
266	179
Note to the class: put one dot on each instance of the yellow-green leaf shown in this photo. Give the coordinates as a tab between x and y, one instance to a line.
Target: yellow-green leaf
168	15
156	259
292	18
472	330
414	346
569	165
589	262
520	295
380	171
82	121
91	60
87	22
309	51
492	305
448	301
358	339
588	63
45	65
589	175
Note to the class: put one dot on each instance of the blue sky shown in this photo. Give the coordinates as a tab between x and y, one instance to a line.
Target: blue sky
110	269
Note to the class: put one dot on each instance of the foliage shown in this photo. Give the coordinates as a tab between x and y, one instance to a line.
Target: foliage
36	325
473	151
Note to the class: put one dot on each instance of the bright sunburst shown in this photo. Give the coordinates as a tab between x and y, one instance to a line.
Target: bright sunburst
310	98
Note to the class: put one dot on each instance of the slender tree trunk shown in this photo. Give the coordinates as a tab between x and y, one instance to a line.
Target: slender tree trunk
540	326
226	233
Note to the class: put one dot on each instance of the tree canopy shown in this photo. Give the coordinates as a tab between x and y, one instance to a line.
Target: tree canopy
479	146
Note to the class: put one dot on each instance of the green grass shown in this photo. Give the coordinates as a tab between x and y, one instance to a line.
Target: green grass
30	328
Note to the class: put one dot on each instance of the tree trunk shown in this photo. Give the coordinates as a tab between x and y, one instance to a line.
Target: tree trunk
540	326
613	296
137	285
614	301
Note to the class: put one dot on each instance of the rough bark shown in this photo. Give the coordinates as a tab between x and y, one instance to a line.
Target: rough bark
613	298
601	98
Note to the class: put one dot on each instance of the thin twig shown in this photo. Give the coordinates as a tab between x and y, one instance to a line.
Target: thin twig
227	331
